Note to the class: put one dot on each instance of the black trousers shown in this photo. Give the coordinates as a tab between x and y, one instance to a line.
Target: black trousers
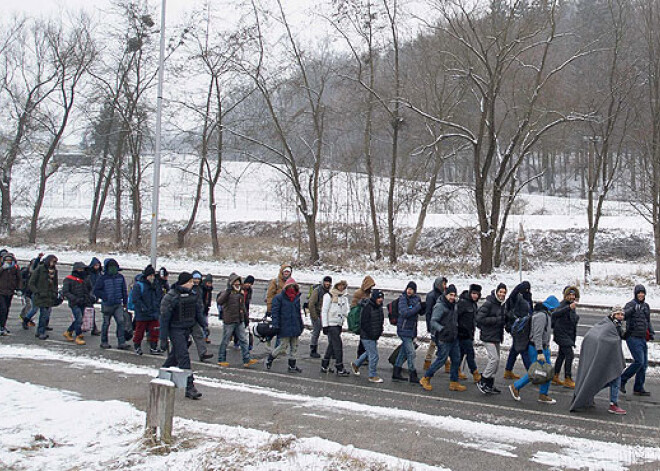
335	346
179	355
565	356
5	303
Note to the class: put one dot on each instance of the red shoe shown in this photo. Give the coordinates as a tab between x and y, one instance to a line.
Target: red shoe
615	409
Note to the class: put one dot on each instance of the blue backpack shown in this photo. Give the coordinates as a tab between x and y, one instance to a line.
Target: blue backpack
130	305
520	331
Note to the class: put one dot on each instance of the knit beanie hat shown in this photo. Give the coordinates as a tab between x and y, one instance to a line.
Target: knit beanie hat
413	285
451	289
475	288
149	270
501	286
249	279
184	277
376	294
327	279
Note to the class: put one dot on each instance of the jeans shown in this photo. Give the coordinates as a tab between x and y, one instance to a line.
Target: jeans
228	331
565	356
640	352
33	310
335	346
446	349
524	381
286	342
614	385
511	359
467	350
371	352
407	351
76	325
431	351
44	319
493	352
110	311
316	332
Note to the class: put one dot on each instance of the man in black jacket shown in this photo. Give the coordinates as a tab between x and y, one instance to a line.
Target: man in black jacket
638	331
466	310
371	328
564	329
491	320
432	297
179	311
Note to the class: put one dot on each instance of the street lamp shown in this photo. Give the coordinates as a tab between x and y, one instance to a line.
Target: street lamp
159	111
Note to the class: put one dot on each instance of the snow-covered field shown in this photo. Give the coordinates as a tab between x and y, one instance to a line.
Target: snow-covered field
38	434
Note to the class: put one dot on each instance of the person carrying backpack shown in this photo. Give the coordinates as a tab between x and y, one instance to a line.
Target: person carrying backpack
111	289
564	329
10	281
518	305
314	305
44	286
334	310
444	326
410	306
538	348
77	290
439	286
371	328
362	293
146	308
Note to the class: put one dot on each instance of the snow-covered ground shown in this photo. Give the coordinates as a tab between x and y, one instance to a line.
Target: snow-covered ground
41	435
38	434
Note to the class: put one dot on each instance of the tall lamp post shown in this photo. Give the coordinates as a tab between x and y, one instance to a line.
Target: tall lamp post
159	111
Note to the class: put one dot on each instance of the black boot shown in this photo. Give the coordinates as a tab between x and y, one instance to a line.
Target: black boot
269	361
191	390
154	349
491	385
325	366
292	366
484	385
397	376
313	351
138	348
341	371
413	377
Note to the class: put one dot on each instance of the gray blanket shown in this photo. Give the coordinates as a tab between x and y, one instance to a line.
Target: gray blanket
601	361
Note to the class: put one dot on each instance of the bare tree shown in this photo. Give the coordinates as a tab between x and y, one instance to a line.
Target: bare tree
70	53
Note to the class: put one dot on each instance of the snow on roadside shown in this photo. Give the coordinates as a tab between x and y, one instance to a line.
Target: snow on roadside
62	431
570	452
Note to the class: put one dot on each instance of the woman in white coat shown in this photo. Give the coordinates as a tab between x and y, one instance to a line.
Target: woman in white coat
335	309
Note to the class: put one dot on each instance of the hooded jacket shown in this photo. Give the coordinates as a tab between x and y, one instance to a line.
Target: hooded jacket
372	318
539	334
491	319
10	278
145	300
519	303
565	321
111	289
275	287
43	286
287	317
409	309
93	274
232	302
315	302
444	321
638	316
77	290
431	298
364	292
466	311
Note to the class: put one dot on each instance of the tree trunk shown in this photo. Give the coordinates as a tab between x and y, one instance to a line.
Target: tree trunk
5	209
430	191
310	223
118	192
32	237
390	192
183	232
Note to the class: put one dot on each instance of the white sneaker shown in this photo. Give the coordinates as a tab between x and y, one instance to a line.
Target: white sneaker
375	379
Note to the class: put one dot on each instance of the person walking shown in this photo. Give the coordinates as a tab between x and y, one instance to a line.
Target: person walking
432	297
334	310
232	301
466	310
93	273
410	306
111	289
77	290
518	305
44	285
199	330
538	348
146	302
10	281
491	320
564	329
639	331
179	311
276	285
362	293
372	318
314	305
444	325
288	323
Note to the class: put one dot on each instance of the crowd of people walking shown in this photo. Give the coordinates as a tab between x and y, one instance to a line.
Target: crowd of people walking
174	316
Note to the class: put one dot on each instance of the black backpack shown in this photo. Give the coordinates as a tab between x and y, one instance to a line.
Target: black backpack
393	312
520	331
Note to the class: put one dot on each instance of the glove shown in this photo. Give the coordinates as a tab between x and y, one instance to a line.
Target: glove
325	330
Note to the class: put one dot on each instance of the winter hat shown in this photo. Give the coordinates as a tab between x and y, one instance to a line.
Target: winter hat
208	278
551	302
413	285
451	289
328	279
249	279
184	277
149	270
639	289
79	266
377	294
290	283
475	288
163	272
615	310
197	275
501	286
287	268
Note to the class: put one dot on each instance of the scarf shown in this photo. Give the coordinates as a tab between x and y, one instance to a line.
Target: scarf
335	293
290	293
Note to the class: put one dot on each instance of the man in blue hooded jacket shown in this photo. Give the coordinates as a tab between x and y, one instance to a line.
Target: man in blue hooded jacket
111	289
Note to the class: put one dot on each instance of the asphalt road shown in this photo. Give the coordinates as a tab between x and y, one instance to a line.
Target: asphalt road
236	396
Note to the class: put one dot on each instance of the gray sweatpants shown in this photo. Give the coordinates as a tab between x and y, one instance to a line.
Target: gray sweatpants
290	343
316	331
493	352
200	339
